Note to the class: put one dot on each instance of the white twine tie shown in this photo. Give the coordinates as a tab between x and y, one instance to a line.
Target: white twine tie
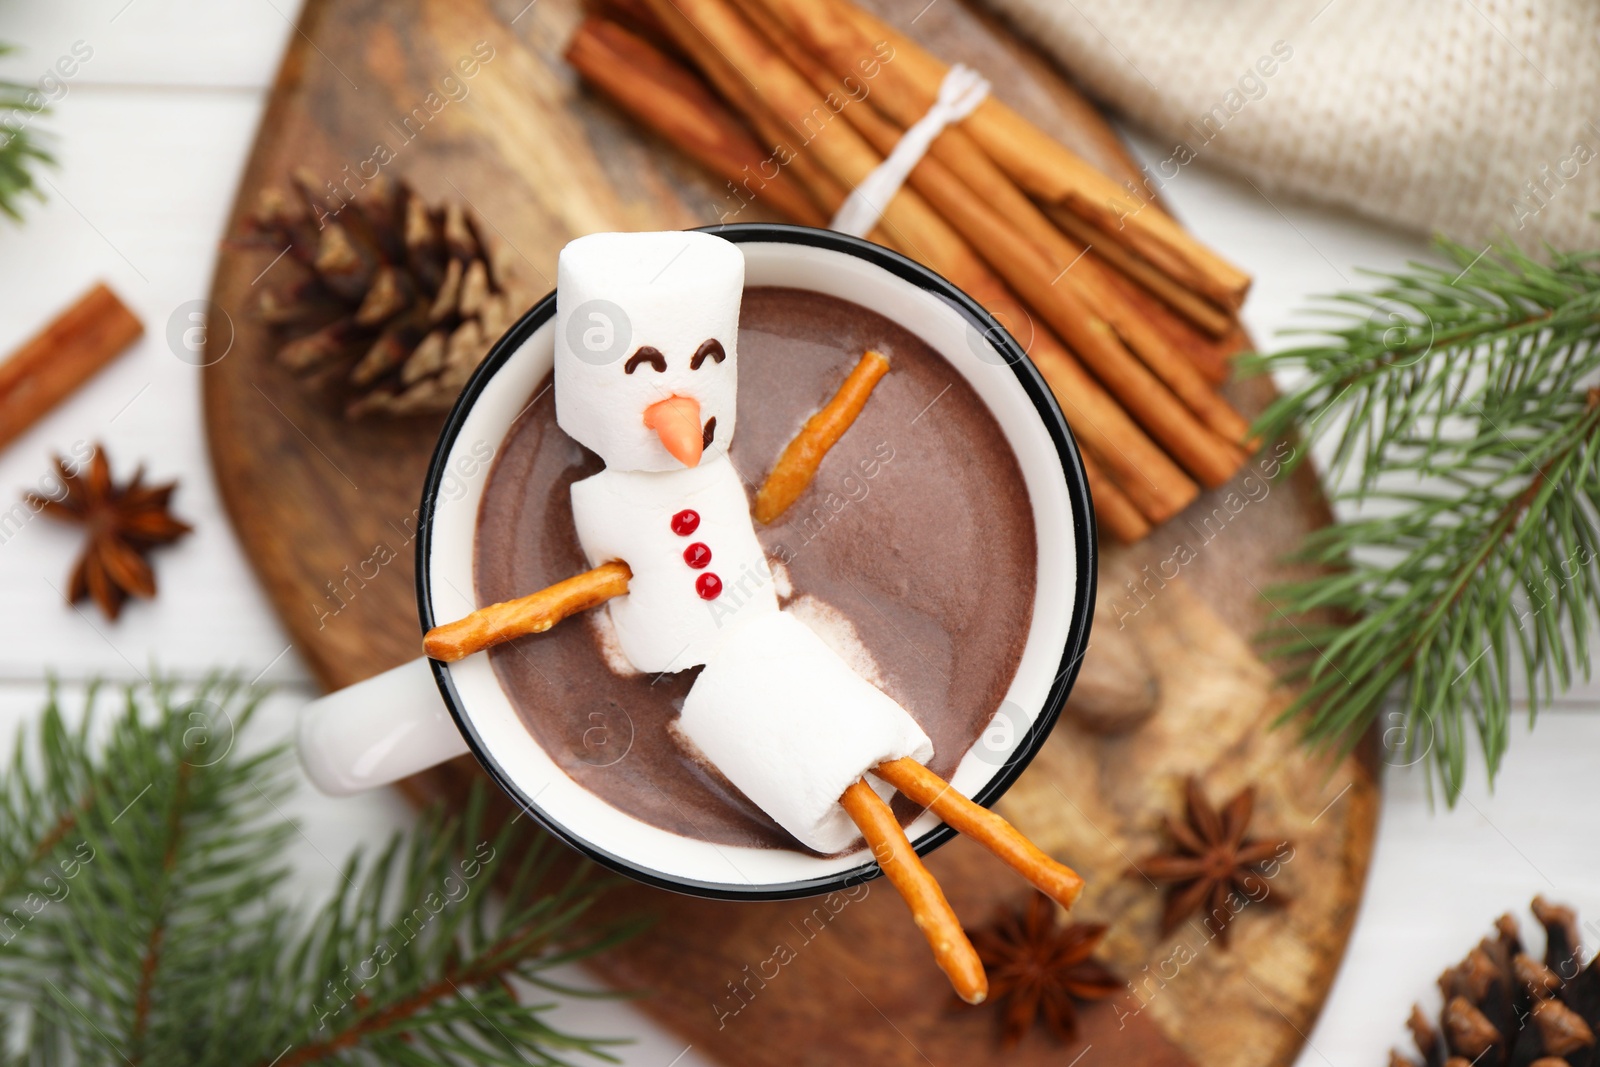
962	90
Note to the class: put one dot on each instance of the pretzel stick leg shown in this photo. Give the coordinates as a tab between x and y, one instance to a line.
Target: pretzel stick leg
1057	881
532	614
799	462
929	910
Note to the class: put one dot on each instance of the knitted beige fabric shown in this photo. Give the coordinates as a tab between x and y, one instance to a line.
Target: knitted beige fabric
1474	118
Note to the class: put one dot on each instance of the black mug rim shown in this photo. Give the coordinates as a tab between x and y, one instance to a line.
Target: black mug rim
1084	549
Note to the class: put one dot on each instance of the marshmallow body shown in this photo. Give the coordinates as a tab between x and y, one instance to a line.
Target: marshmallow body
641	317
663	623
792	726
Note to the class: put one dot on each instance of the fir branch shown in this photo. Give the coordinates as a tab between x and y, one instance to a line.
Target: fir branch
1463	406
41	814
140	919
20	150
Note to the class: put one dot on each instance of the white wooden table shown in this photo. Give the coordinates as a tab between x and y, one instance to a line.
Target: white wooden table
152	132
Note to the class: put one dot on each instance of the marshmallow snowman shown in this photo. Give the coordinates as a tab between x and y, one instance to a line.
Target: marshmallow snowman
646	376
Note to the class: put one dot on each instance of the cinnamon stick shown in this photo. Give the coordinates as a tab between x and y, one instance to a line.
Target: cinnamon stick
1196	309
53	363
1084	263
850	157
1205	316
784	109
1199	449
1041	165
638	77
1211	356
1022	245
1078	264
727	80
631	15
1112	508
1147	476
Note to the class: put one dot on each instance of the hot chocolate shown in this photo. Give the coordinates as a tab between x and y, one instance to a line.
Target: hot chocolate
912	553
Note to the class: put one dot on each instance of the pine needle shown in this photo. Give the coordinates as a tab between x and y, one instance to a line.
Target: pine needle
20	150
143	920
1463	406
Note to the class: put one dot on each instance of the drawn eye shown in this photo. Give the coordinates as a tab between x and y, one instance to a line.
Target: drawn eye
646	354
711	349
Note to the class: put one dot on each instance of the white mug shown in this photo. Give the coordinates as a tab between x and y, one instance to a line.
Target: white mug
425	712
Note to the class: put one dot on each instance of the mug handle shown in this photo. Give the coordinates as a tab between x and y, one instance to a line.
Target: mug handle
378	731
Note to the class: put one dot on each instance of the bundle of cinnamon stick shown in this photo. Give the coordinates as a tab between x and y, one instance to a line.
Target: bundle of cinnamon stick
795	102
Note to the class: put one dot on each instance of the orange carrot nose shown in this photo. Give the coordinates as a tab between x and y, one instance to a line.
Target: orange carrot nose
676	420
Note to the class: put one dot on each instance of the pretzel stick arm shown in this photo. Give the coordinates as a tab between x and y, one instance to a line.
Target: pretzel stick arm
799	462
1057	881
929	909
532	614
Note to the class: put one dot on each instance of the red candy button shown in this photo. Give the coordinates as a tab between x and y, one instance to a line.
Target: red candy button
685	522
697	555
708	585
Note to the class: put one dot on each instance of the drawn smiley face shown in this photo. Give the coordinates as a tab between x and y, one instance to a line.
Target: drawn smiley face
647	349
686	430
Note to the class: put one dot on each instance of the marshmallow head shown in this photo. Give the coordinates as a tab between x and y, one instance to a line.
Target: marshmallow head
647	358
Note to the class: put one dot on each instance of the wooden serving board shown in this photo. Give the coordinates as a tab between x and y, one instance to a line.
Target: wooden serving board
317	502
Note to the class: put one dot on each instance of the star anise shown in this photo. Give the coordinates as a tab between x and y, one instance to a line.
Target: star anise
1213	867
1039	970
124	523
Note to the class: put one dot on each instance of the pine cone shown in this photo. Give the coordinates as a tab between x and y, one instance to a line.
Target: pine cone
1503	1008
396	302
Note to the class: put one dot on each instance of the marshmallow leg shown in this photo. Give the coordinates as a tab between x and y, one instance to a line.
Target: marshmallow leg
792	726
1055	880
929	909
